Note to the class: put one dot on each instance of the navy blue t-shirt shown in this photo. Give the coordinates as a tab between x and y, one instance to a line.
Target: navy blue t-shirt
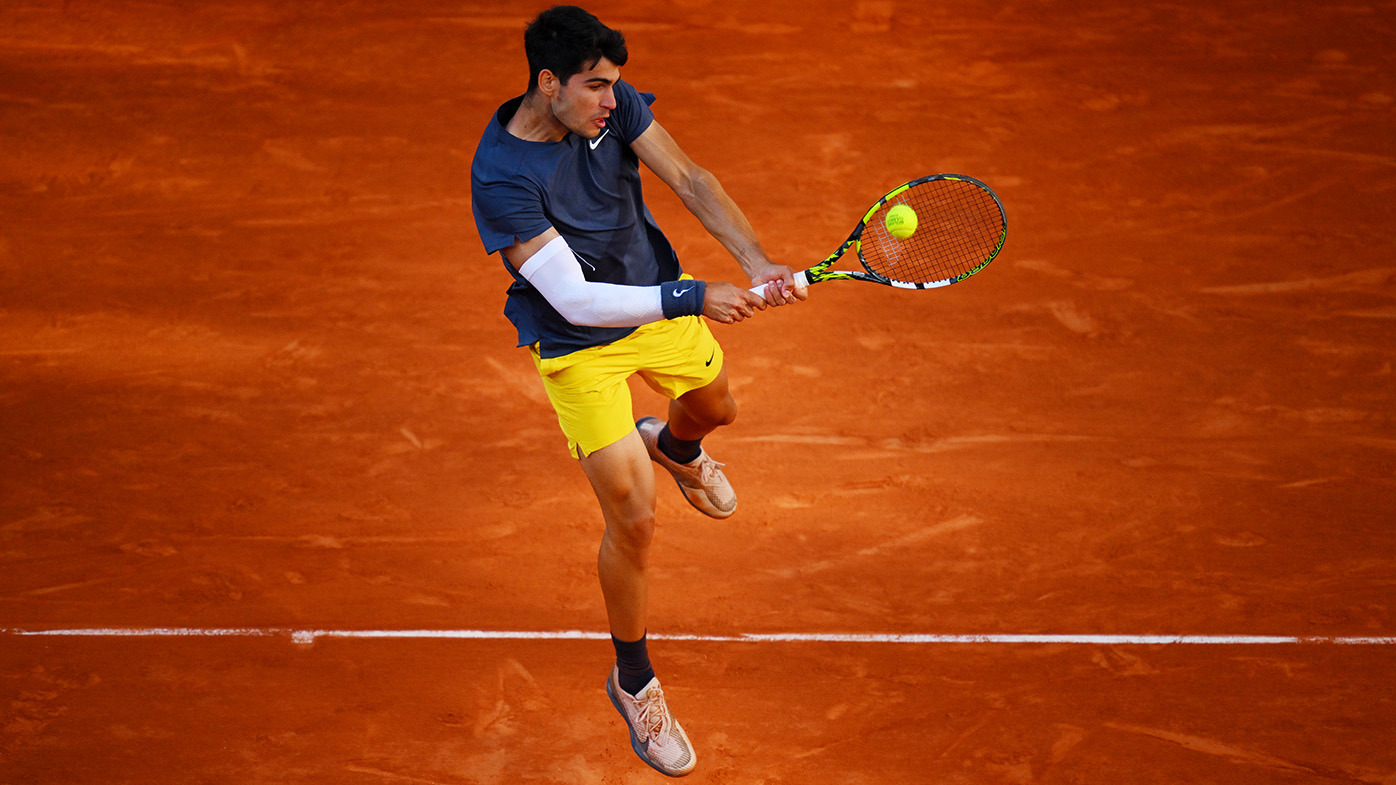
589	191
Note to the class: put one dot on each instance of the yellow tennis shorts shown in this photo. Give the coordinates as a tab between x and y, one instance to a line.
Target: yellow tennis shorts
588	387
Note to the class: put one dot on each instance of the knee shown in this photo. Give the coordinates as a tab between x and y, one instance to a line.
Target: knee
729	412
632	531
723	414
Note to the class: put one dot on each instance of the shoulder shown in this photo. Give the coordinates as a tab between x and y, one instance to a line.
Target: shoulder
500	149
632	111
632	101
502	160
625	90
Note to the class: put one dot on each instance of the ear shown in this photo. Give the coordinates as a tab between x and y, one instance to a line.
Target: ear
548	83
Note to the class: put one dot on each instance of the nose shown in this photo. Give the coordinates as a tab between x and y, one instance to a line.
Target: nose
608	101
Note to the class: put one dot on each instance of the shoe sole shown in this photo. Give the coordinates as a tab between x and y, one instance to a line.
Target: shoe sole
682	490
635	742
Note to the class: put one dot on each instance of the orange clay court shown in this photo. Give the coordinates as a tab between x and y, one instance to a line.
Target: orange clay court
260	403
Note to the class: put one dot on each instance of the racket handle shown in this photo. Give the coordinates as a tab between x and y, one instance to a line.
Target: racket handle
801	281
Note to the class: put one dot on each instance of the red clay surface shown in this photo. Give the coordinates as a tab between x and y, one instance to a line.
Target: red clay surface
254	373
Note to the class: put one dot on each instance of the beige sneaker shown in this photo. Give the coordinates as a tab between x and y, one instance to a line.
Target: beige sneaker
655	735
702	481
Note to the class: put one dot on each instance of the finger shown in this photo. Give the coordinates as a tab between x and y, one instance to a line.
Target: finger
787	293
770	293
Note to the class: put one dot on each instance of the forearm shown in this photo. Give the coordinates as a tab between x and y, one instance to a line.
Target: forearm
704	196
554	272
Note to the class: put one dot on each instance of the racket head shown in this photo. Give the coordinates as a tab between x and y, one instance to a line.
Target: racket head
960	228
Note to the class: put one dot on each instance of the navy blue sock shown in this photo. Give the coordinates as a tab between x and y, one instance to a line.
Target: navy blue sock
679	449
633	662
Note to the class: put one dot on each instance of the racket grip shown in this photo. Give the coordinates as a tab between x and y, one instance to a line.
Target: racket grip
801	281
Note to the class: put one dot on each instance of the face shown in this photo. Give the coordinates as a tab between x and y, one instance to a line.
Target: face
583	104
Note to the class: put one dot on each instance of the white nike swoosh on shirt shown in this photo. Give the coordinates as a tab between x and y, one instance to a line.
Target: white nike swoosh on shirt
682	292
597	140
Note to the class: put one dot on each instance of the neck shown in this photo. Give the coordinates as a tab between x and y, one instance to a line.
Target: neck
534	121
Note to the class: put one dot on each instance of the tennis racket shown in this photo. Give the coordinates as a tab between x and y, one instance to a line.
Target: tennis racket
957	226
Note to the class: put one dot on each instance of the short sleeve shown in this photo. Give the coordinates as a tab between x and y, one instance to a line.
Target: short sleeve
632	115
506	213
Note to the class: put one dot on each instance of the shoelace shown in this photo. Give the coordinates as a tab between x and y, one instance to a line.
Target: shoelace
709	471
654	714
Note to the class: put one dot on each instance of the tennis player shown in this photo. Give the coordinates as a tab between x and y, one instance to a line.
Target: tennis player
598	295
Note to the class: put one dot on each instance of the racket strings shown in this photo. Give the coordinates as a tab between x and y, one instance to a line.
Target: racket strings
959	226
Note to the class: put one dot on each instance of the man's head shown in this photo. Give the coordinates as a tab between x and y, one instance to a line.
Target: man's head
566	40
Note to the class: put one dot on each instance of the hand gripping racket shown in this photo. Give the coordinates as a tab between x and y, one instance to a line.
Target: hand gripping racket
931	232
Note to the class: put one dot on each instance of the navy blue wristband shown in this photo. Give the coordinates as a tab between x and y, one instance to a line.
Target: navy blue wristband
682	298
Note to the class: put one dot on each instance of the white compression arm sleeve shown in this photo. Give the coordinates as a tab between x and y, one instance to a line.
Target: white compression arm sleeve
556	274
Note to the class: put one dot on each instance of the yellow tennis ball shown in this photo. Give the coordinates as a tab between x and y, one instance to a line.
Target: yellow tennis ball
901	222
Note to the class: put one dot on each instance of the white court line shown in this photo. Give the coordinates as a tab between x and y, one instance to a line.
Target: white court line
309	636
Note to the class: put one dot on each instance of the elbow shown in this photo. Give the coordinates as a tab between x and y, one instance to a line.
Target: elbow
578	310
696	185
